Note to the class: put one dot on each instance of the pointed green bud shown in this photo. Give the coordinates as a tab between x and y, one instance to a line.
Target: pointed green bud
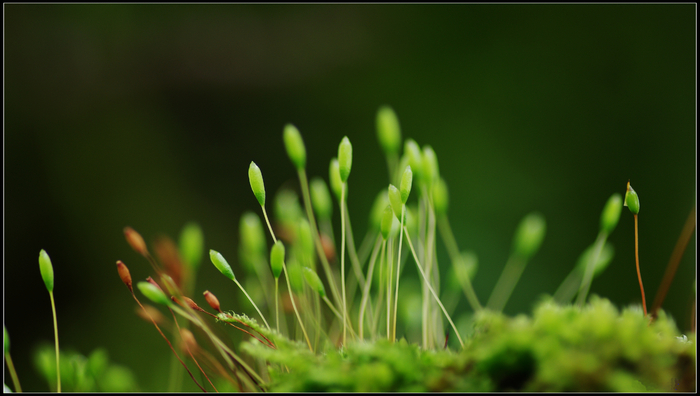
406	181
441	197
631	199
336	181
192	245
221	264
611	213
256	182
296	276
277	258
46	270
431	171
606	255
529	235
395	200
387	220
154	293
314	281
5	340
252	234
295	146
288	209
464	269
306	241
415	158
345	158
377	213
388	130
321	199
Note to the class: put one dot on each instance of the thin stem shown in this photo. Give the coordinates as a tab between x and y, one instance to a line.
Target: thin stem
415	257
398	275
277	305
55	332
352	252
430	248
390	268
342	260
506	283
314	230
13	373
337	314
368	284
451	244
636	256
568	288
274	239
252	302
672	266
179	330
294	305
590	266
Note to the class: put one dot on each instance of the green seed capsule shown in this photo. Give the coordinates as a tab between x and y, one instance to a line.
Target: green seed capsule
252	233
306	241
295	146
296	276
377	212
415	158
153	293
314	281
387	220
406	181
529	235
388	130
464	269
441	197
345	158
221	264
431	172
336	181
46	270
606	255
395	200
611	213
192	245
277	258
321	199
631	199
256	182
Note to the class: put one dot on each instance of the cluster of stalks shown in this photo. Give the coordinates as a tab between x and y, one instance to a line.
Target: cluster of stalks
362	305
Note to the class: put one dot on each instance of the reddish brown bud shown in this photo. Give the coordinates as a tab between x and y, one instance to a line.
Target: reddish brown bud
152	311
212	300
192	304
125	275
154	283
188	340
135	241
170	257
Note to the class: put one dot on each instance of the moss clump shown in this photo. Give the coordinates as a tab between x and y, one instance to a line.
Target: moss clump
558	348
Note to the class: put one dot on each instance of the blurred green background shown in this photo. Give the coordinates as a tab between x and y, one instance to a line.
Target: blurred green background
148	116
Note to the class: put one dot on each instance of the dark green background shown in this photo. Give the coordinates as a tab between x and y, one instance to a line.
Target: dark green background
148	116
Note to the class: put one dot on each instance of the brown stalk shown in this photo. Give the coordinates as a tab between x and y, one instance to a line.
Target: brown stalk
636	256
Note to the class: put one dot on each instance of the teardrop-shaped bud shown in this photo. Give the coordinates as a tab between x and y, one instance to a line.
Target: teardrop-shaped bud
604	258
388	130
441	196
344	158
314	281
221	264
406	182
135	240
256	182
395	200
296	276
336	181
387	220
153	293
529	235
46	269
277	258
377	212
192	245
252	234
611	213
431	172
631	199
124	275
415	158
295	146
212	300
306	241
321	199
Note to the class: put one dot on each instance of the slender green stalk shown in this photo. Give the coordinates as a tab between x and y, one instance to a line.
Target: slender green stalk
252	302
430	250
590	266
277	305
451	244
398	274
55	332
314	230
390	268
368	283
506	283
352	252
338	315
13	373
415	257
342	262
